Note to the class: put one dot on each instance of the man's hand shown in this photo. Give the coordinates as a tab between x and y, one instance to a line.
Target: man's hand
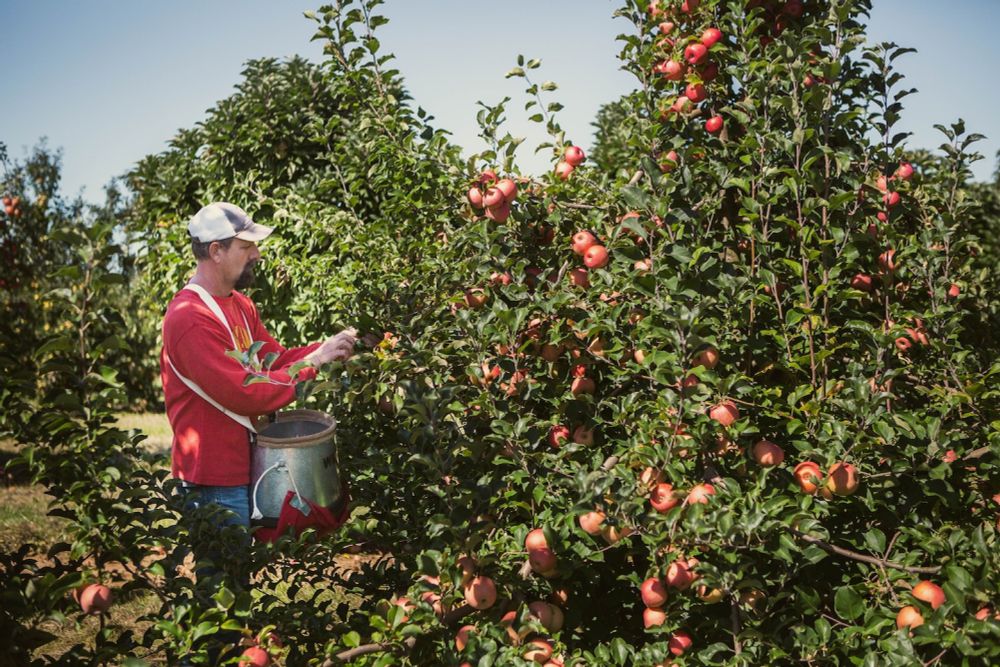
335	348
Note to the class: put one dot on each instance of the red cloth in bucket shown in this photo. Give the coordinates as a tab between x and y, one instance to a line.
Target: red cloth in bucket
319	518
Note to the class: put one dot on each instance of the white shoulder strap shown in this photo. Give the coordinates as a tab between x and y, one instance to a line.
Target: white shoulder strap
239	419
217	311
213	306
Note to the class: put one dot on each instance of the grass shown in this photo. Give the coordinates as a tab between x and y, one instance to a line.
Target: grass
154	425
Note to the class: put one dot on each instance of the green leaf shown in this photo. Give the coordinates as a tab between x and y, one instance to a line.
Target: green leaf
875	540
848	604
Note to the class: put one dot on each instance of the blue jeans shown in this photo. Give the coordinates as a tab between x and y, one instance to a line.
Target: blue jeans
221	541
236	499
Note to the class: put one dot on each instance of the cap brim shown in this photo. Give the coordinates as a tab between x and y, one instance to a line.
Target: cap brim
255	232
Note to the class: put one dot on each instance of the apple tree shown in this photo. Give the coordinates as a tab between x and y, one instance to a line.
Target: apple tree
719	394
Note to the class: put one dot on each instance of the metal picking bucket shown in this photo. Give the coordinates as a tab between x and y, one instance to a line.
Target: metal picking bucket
296	452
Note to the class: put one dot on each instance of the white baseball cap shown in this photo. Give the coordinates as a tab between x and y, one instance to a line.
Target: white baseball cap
219	221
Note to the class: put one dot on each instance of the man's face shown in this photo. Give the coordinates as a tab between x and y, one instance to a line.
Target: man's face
238	262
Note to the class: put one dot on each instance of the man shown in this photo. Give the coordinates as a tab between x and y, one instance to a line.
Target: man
210	410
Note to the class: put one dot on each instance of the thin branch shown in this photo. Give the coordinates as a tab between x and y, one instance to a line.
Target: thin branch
734	614
854	555
364	649
452	617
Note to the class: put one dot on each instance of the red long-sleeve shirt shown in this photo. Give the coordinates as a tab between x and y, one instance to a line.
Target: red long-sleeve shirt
209	447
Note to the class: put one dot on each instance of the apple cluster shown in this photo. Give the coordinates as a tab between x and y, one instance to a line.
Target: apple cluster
480	593
12	206
572	158
686	60
493	194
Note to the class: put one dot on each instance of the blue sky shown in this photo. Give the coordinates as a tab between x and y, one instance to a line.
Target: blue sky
110	81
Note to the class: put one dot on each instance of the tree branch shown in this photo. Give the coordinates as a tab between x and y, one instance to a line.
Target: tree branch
452	617
854	555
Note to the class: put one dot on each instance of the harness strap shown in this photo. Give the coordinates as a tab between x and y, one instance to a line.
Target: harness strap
213	306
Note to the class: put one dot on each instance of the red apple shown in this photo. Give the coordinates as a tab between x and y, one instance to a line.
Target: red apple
726	413
255	656
842	479
710	37
538	650
710	595
582	241
501	278
652	618
953	291
930	593
903	343
487	177
542	561
583	385
462	636
493	197
535	540
558	434
548	614
699	494
653	592
614	535
808	476
670	161
714	125
890	198
695	92
679	575
662	498
709	72
563	170
591	522
904	171
862	281
498	213
695	53
709	358
475	298
909	617
596	257
574	156
766	453
793	8
507	188
475	196
679	642
467	565
95	599
480	593
672	70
